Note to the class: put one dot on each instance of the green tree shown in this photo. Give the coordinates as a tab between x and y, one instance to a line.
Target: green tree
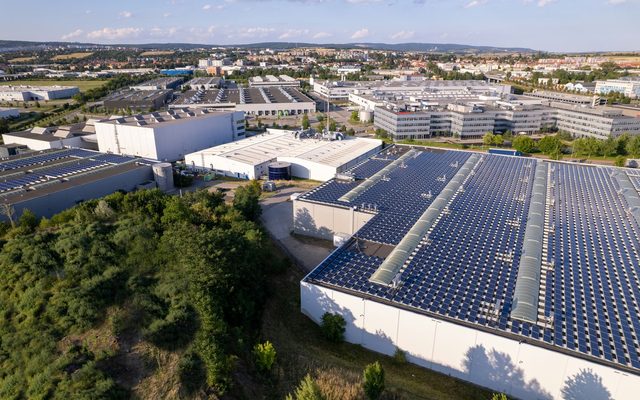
551	146
28	220
333	327
499	396
488	138
498	140
633	146
305	122
373	381
265	356
524	144
609	147
354	116
247	200
333	126
307	390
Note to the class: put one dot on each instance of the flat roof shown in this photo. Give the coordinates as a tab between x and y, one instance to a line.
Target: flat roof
36	174
587	299
173	116
262	95
139	95
259	149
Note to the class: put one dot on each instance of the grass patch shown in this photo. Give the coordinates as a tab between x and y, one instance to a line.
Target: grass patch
83	85
71	56
302	349
157	53
21	59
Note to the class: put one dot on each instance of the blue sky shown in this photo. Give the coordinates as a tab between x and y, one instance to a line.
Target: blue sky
552	25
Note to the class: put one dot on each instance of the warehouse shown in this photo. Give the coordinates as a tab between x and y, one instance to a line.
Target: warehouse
520	299
9	112
138	100
158	84
204	83
51	181
309	158
33	93
169	135
254	101
271	81
81	135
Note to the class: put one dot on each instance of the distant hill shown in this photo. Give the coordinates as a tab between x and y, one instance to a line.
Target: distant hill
16	45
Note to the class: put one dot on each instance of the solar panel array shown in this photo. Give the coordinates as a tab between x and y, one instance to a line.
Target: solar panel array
68	162
466	265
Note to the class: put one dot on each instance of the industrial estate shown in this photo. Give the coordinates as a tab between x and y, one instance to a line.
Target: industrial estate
306	221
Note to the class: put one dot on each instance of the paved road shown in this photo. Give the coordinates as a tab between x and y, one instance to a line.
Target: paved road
277	217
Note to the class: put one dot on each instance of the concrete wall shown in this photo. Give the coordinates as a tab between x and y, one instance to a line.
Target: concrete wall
323	221
55	202
516	368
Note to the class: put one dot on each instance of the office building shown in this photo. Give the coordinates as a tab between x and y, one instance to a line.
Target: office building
169	135
628	86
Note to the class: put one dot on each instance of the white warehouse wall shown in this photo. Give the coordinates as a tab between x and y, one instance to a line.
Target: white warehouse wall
506	365
171	140
323	221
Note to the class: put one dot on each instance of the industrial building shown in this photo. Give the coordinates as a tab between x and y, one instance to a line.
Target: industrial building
51	181
340	90
80	135
9	112
253	101
308	157
271	81
169	135
138	100
158	84
204	83
517	274
33	93
629	86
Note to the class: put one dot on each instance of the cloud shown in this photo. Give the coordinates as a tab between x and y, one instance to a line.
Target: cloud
72	35
475	3
403	35
166	15
248	33
360	34
206	7
126	14
293	33
321	35
542	3
114	33
615	2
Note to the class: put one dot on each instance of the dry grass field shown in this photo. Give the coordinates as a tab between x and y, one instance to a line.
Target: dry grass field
21	59
70	56
157	53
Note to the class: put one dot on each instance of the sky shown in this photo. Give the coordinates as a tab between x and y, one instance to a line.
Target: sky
548	25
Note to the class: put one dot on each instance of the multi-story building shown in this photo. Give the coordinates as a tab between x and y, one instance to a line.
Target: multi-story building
630	87
471	120
271	80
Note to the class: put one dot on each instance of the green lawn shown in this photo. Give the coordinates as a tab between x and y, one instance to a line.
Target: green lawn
83	85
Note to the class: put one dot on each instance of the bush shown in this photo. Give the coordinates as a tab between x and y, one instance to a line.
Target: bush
307	390
499	396
399	356
373	381
333	327
265	356
191	372
620	161
524	144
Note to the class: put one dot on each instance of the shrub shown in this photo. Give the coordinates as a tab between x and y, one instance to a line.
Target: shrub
373	381
265	356
307	390
399	356
333	327
620	161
